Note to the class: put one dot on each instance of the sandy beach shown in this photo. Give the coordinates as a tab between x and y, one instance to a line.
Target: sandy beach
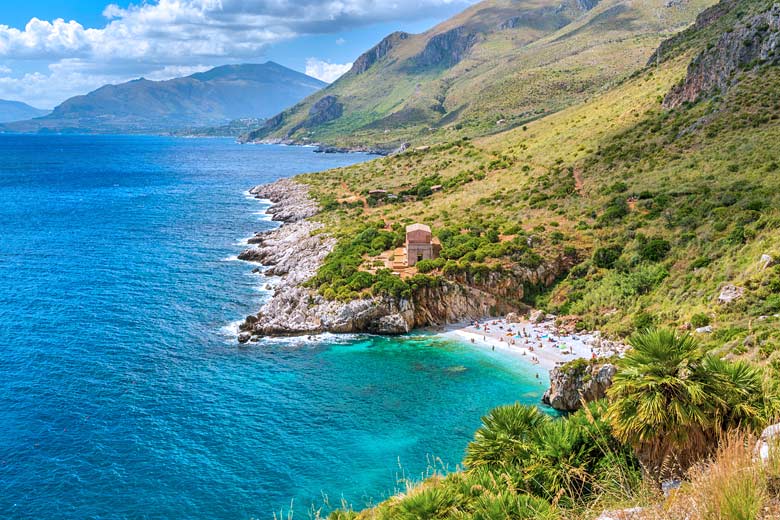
541	344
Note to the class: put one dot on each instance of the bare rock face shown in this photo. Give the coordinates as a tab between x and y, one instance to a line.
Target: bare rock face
295	251
578	380
291	201
446	49
754	42
769	441
730	293
366	60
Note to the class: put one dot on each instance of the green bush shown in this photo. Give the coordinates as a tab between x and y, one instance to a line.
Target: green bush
605	257
700	320
655	249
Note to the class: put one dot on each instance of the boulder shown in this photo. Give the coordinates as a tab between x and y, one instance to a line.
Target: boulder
769	440
536	316
513	318
578	380
767	261
704	330
730	293
244	337
633	513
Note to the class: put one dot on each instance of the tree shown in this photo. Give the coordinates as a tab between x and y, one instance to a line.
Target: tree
671	402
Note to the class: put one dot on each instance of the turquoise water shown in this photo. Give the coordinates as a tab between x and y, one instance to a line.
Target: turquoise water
123	393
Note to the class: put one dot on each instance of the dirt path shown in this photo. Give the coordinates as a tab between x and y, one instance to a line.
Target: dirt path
578	184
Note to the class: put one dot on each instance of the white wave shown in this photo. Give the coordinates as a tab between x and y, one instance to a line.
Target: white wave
231	258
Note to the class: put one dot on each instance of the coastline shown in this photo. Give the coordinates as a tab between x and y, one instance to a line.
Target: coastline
541	345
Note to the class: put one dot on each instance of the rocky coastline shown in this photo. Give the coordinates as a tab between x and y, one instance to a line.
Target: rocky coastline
323	148
294	252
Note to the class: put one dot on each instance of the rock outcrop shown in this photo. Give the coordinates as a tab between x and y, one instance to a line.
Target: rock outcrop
446	49
366	60
730	293
752	43
296	250
576	381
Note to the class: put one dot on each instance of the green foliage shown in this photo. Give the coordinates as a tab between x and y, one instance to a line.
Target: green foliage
340	276
605	257
672	402
430	503
655	249
700	320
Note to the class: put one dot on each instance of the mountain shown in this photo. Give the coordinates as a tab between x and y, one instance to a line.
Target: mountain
210	98
17	111
653	202
498	64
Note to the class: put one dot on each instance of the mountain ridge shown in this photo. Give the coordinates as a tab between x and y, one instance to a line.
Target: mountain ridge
498	64
16	111
205	99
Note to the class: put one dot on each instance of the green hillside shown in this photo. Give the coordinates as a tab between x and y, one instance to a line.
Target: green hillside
665	187
497	65
662	207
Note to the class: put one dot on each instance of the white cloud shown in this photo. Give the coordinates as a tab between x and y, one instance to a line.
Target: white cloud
5	70
166	31
160	39
340	41
327	72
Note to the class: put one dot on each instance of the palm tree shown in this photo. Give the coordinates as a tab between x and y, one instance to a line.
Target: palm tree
660	399
504	439
672	402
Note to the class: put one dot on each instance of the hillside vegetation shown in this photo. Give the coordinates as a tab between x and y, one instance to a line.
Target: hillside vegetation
661	207
497	65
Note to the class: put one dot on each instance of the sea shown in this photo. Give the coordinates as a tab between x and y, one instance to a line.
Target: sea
123	391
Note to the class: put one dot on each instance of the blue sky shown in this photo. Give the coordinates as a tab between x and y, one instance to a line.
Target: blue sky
53	49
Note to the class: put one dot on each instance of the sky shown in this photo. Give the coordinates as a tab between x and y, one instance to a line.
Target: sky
51	50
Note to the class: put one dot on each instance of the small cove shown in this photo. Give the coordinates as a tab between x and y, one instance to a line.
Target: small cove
123	393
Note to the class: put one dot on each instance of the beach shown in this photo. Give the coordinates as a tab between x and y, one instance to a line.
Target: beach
542	344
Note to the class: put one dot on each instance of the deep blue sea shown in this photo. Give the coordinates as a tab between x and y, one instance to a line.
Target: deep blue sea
123	393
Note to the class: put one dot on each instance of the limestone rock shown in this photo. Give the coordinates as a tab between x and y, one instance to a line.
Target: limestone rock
769	440
536	316
767	261
704	330
753	42
633	513
571	383
730	293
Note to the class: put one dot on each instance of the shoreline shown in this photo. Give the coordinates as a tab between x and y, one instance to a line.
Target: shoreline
541	345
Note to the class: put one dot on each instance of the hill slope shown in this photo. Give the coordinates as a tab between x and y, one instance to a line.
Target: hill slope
16	111
663	188
210	98
500	60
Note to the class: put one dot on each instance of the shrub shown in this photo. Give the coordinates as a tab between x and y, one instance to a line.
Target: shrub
605	257
700	320
655	249
643	320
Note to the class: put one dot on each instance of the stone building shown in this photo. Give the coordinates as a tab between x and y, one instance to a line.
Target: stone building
420	244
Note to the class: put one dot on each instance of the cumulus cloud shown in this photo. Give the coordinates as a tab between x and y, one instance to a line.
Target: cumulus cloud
325	71
168	30
160	39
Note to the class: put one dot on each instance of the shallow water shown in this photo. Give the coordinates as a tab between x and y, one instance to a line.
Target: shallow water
123	393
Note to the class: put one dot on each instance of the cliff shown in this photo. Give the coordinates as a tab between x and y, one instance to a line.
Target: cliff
295	251
752	43
576	381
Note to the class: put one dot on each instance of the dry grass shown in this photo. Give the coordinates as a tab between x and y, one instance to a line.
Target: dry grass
734	485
